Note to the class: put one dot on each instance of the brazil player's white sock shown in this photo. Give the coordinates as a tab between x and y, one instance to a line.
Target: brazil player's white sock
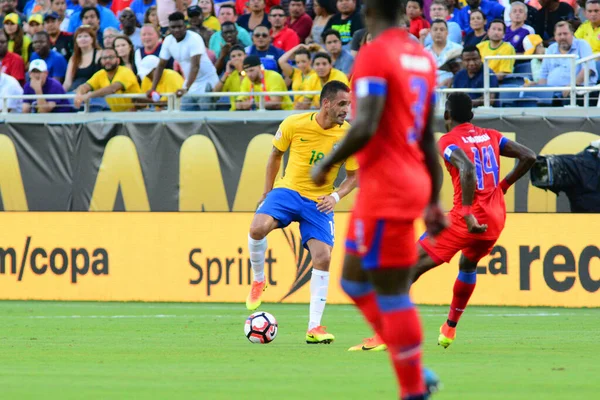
257	250
319	286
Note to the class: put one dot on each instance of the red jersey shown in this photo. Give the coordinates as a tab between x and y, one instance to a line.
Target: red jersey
417	24
394	181
12	64
482	146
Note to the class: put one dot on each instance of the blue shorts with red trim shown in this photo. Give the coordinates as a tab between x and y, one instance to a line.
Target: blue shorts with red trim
382	243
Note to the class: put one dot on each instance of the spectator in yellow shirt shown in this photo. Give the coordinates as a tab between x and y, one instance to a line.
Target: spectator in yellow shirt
496	46
324	73
295	76
170	81
590	30
260	80
112	79
231	81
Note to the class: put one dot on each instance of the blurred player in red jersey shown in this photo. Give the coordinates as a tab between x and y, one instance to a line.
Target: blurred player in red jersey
400	178
472	156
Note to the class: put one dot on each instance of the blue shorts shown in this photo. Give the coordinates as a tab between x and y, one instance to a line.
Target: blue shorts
287	205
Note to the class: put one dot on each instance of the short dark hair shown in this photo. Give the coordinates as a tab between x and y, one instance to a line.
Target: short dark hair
439	21
298	1
390	10
84	10
228	6
499	21
440	3
460	107
238	47
228	23
419	3
261	26
43	33
176	16
330	32
322	54
277	8
470	49
331	89
477	10
302	51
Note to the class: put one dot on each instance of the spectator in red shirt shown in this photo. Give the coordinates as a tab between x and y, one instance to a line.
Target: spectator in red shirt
241	6
414	11
299	21
283	37
12	64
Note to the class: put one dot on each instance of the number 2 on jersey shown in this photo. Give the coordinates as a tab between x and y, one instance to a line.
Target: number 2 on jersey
488	166
419	87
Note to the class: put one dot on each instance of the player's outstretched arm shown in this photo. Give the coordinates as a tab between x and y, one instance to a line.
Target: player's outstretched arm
468	183
368	114
525	160
273	165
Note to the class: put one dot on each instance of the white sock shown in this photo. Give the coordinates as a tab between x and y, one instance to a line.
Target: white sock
257	250
319	285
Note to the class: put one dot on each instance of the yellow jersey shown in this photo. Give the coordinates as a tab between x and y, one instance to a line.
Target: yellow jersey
273	82
308	144
24	48
125	77
505	49
587	32
170	82
298	80
233	83
213	23
313	84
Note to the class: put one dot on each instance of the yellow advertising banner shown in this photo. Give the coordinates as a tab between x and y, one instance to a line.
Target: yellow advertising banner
540	260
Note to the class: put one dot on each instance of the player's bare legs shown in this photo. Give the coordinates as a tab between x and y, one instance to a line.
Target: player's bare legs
355	283
461	293
261	226
424	264
319	287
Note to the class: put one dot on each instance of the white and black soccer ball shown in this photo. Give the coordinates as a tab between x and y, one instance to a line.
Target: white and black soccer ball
261	327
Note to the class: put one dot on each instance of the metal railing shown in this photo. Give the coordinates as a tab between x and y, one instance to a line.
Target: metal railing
586	76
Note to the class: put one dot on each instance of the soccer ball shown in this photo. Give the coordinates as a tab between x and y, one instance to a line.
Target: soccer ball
261	327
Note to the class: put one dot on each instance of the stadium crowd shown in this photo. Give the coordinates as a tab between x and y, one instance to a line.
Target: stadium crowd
94	48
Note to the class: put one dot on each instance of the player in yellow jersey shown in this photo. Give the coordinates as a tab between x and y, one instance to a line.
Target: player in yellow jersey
309	137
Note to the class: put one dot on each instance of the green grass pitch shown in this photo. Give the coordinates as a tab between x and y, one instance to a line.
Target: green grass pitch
60	350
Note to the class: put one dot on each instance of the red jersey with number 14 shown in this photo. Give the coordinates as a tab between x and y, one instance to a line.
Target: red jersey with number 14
483	147
393	179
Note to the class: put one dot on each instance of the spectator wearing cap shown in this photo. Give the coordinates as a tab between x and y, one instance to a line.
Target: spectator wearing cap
341	58
169	82
471	76
490	9
196	24
151	45
347	21
9	86
283	38
442	50
552	12
139	8
10	7
12	64
108	37
41	84
533	44
188	49
56	65
231	81
129	26
299	20
18	42
439	10
227	13
324	73
105	16
64	18
61	42
112	79
590	30
35	23
209	19
259	80
257	16
263	48
517	31
496	46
